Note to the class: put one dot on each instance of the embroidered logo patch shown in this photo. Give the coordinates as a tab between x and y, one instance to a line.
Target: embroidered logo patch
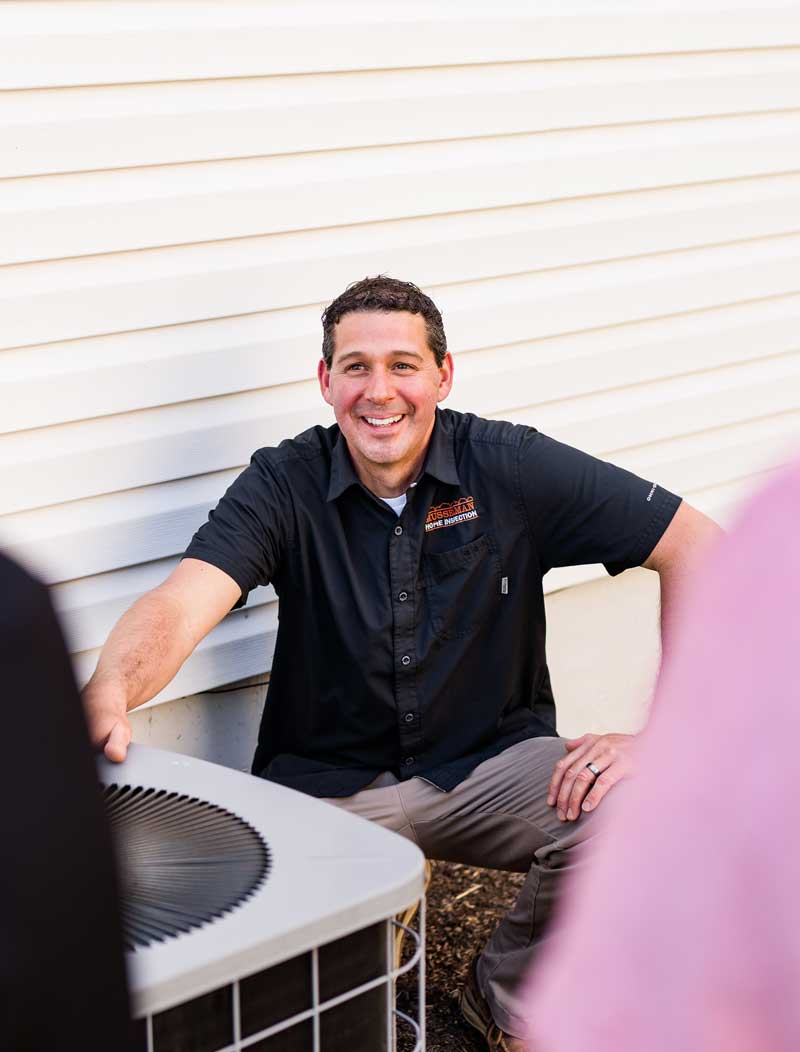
441	515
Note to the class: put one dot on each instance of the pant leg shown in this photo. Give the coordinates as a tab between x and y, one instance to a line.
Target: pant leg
499	818
379	802
496	818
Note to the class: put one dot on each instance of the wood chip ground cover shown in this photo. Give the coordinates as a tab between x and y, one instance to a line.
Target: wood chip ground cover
464	905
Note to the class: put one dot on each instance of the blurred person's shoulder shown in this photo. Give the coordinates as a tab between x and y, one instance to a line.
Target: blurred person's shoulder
23	597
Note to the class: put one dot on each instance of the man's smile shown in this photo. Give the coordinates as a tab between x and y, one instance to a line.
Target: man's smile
383	423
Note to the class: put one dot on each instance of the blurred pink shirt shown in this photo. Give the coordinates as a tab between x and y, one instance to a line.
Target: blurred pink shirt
682	934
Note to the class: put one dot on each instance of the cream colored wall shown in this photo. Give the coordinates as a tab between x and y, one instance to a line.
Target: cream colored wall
601	198
604	650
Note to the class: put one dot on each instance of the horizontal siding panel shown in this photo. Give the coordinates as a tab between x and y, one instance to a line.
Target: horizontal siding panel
92	536
90	608
102	376
58	383
507	310
43	302
717	457
75	380
724	501
590	362
85	461
175	441
42	133
82	214
54	44
242	645
655	412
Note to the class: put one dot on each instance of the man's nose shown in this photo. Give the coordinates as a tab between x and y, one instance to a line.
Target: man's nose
379	389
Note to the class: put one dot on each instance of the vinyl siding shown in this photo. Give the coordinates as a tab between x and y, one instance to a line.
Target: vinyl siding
604	201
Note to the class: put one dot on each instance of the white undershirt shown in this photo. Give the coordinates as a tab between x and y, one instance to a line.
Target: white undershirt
396	503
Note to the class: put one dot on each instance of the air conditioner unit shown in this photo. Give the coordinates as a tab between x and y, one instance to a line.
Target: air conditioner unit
255	917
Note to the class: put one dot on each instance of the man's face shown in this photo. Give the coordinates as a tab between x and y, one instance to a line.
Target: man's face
384	385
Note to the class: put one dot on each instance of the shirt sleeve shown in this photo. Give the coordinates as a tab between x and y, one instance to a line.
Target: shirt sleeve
584	510
247	533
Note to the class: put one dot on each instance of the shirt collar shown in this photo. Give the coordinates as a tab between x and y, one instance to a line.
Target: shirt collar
440	460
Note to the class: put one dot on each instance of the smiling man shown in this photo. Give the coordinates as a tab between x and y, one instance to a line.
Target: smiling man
384	384
407	545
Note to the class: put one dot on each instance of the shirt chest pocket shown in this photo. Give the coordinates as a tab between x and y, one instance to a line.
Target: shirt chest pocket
461	587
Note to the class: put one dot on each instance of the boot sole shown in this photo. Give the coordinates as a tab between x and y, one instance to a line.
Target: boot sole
472	1013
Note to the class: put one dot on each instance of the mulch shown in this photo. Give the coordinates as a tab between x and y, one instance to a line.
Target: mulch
464	905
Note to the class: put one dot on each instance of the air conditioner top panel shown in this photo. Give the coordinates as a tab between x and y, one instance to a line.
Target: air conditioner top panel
330	873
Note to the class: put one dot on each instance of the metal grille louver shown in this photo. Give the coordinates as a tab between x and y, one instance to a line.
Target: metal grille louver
183	861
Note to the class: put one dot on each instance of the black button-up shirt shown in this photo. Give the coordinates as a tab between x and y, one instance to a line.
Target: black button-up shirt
416	644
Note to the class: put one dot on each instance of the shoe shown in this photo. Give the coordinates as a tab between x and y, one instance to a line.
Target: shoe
476	1012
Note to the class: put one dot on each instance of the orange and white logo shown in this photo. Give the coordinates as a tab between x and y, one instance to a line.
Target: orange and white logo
441	515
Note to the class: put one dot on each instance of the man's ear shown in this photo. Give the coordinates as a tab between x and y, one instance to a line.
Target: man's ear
445	377
324	377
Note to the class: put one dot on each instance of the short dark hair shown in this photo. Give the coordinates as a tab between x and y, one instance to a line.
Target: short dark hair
380	294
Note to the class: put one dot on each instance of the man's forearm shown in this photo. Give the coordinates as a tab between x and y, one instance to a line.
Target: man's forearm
149	644
146	648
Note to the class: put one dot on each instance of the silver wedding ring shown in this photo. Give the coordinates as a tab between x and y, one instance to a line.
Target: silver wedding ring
593	768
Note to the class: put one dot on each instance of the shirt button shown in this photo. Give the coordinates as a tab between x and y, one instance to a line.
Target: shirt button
405	660
398	530
409	717
409	760
403	596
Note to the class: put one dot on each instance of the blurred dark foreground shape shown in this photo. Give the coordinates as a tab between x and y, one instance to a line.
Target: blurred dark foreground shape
62	972
684	934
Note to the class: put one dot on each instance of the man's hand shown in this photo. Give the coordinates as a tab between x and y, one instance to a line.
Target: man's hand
107	719
574	787
149	644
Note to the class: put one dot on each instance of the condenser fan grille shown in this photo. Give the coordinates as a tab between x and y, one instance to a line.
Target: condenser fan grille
183	861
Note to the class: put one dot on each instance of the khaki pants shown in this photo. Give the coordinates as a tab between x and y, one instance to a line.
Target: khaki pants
498	818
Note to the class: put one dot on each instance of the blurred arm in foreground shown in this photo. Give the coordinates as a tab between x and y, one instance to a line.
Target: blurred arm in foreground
687	933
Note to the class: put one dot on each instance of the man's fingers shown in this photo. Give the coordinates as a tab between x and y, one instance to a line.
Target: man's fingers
116	747
557	777
587	780
575	743
573	789
601	786
565	773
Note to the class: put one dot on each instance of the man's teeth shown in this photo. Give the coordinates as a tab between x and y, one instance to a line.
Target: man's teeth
383	421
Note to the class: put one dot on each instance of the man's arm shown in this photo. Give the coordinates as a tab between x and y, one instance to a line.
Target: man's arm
149	644
574	787
682	544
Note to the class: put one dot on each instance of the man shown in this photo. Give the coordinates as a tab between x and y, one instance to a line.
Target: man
407	546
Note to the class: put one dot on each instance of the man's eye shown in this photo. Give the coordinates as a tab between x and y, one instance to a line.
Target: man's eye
354	365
